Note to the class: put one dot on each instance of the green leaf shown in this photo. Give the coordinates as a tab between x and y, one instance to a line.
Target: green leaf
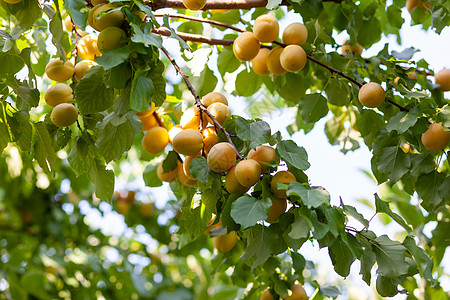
150	177
227	220
424	263
159	84
141	91
58	33
402	121
293	154
146	37
33	281
43	151
199	169
260	243
368	259
194	220
311	197
445	114
341	257
78	11
427	187
390	257
103	180
26	12
313	107
319	229
4	133
114	57
247	83
369	32
300	227
205	83
406	54
227	61
247	210
21	130
11	63
383	207
338	92
256	133
173	34
80	158
368	124
394	161
329	291
29	95
422	163
273	4
351	211
386	287
91	92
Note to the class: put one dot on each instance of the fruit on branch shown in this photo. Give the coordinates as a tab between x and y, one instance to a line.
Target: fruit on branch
295	34
146	210
285	177
246	46
210	138
221	157
263	154
259	63
87	48
97	2
349	49
225	242
148	120
173	132
411	75
191	118
214	97
187	165
411	4
232	184
188	142
293	58
273	62
82	67
68	26
247	172
184	178
443	79
64	114
219	111
298	293
110	38
101	19
266	28
194	4
167	176
58	70
155	140
276	210
435	138
371	95
57	94
266	295
211	227
12	1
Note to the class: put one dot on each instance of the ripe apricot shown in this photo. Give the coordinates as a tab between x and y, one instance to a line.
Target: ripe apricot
173	132
298	293
266	28
184	178
259	63
155	140
349	49
101	21
266	295
276	210
211	227
191	118
148	121
194	4
187	165
295	34
435	138
188	142
64	114
273	61
246	46
82	67
68	26
59	70
248	172
281	177
58	93
411	4
263	154
87	48
147	112
411	75
232	184
221	157
168	176
219	111
443	79
293	58
214	97
12	1
225	242
371	95
111	37
210	138
97	2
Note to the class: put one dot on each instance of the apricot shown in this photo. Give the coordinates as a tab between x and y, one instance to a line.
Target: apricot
246	46
147	112
443	79
221	157
295	34
58	93
259	63
263	154
281	177
194	4
371	95
12	1
191	118
188	142
168	176
101	21
266	295
214	97
435	138
411	75
184	178
68	26
298	293
58	70
232	184
276	210
146	210
110	38
211	227
220	112
293	58
248	172
187	165
87	48
266	28
349	49
82	67
210	138
148	121
225	242
155	140
411	4
273	61
97	2
64	114
173	132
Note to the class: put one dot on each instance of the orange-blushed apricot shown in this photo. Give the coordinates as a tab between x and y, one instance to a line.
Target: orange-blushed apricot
232	184
293	58
263	154
247	172
82	67
225	242
259	63
221	157
443	79
371	95
167	176
266	28
273	61
276	210
188	142
285	177
435	138
246	46
155	140
295	34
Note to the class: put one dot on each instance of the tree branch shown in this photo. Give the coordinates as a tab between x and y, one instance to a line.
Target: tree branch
196	38
201	20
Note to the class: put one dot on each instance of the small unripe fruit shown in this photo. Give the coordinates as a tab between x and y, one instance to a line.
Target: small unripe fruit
285	177
57	94
194	4
173	132
295	34
276	210
166	176
220	112
214	97
87	48
110	38
293	58
210	138
435	138
58	70
225	242
114	18
263	154
266	295
246	46
266	28
82	67
248	172
232	184
64	115
273	62
184	178
155	140
188	142
259	63
371	95
348	49
221	157
443	79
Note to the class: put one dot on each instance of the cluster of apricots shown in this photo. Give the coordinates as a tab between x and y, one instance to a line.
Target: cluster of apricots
279	60
298	293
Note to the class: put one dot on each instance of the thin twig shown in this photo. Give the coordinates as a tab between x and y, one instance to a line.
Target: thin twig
193	37
201	20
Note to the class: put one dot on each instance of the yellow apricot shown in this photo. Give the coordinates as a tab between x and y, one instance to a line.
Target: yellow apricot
348	49
173	132
435	138
210	138
147	112
188	142
101	21
87	48
281	177
295	34
371	95
58	70
64	114
82	67
68	24
266	295
194	4
191	118
184	178
214	97
12	1
443	79
411	4
58	93
111	37
263	154
232	184
246	46
298	293
276	210
259	63
248	172
220	112
97	2
273	61
293	58
148	121
221	157
168	176
266	28
187	165
225	242
155	140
